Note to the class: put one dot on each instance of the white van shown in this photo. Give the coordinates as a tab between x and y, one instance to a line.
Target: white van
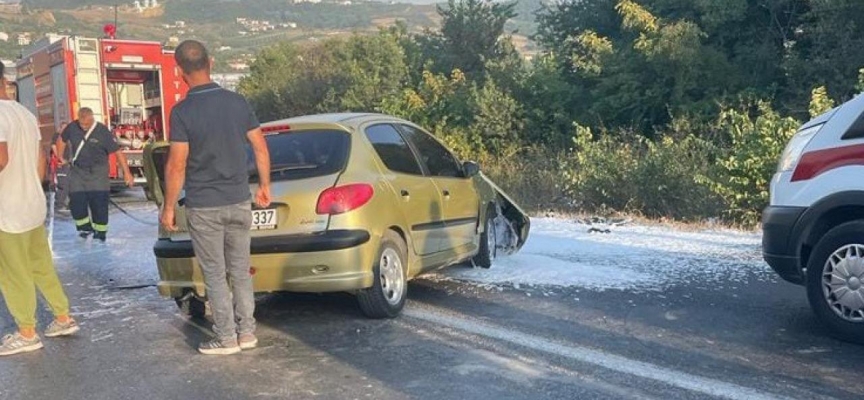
814	227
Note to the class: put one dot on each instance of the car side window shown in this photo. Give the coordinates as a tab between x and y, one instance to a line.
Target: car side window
438	160
393	150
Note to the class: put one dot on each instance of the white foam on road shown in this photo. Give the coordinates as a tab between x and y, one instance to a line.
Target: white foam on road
563	253
675	378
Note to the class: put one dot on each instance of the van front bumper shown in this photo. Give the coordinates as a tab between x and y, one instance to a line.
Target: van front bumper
779	247
334	261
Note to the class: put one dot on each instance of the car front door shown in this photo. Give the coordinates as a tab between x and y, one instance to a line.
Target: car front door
460	199
419	199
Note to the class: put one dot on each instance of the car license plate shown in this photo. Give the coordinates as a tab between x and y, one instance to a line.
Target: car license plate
264	220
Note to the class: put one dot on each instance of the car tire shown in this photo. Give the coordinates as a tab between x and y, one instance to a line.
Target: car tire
488	243
192	307
842	240
387	296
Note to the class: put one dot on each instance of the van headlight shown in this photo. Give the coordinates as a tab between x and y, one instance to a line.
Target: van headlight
795	147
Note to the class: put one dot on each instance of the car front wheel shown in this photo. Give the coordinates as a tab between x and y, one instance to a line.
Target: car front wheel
387	296
835	281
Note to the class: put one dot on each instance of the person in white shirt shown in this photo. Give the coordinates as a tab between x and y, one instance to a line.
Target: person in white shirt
25	259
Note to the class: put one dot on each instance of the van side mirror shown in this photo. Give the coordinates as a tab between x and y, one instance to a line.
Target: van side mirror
471	169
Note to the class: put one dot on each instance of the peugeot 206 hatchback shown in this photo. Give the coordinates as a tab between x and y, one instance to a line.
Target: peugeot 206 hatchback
362	203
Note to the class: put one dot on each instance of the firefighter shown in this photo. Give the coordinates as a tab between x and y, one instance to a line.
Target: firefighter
90	145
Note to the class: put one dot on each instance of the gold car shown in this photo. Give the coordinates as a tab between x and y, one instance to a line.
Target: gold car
362	203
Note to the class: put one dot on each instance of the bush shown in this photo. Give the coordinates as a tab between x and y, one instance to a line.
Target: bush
653	178
747	164
529	175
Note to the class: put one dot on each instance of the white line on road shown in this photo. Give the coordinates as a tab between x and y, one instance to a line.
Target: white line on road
586	355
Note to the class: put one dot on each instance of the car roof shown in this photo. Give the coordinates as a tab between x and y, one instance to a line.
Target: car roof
343	120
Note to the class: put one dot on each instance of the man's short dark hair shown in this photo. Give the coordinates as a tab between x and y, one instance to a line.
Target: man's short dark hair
191	56
85	112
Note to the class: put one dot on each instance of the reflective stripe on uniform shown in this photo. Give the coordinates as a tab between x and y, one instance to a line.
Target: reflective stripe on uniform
100	228
82	222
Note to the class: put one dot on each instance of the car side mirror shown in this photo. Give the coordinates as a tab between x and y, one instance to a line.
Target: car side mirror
471	169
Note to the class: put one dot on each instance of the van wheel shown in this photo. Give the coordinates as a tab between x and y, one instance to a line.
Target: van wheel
386	297
192	307
835	281
488	241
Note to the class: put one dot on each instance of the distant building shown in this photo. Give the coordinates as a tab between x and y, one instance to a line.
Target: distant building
238	65
4	36
24	39
180	24
10	6
228	81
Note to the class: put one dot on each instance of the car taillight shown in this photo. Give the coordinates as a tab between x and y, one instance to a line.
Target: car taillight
341	199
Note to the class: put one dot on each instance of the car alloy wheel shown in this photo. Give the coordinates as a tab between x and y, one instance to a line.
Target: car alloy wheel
392	276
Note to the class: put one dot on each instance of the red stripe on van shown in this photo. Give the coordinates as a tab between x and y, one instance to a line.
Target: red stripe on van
819	162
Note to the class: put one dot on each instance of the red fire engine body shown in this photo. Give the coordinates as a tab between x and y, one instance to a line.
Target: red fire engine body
131	87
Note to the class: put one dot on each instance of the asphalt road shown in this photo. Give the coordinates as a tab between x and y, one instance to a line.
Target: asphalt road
455	340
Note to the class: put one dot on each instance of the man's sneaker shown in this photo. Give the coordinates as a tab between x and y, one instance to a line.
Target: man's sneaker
57	329
16	344
85	234
219	348
100	236
248	341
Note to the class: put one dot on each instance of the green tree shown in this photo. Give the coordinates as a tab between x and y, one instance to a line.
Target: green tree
354	74
472	35
642	63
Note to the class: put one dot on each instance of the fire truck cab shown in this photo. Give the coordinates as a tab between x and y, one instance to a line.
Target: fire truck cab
131	87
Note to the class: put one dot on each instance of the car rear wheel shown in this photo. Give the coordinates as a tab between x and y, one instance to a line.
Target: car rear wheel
192	306
488	242
835	281
387	296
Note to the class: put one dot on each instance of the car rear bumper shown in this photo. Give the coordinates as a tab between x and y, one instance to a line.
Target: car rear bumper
779	247
330	262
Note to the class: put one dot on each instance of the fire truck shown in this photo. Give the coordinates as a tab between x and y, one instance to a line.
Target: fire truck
131	87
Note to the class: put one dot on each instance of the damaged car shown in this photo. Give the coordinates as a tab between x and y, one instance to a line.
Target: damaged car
362	203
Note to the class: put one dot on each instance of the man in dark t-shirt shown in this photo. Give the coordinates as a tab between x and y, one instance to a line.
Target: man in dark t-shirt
90	145
209	131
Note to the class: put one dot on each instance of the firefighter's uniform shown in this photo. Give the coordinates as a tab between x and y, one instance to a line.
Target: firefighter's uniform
88	182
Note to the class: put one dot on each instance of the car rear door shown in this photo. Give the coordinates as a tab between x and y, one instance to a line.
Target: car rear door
459	196
419	199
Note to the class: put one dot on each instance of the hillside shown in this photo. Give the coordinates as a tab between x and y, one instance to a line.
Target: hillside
238	27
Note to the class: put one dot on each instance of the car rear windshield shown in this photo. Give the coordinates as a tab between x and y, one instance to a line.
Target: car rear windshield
304	154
